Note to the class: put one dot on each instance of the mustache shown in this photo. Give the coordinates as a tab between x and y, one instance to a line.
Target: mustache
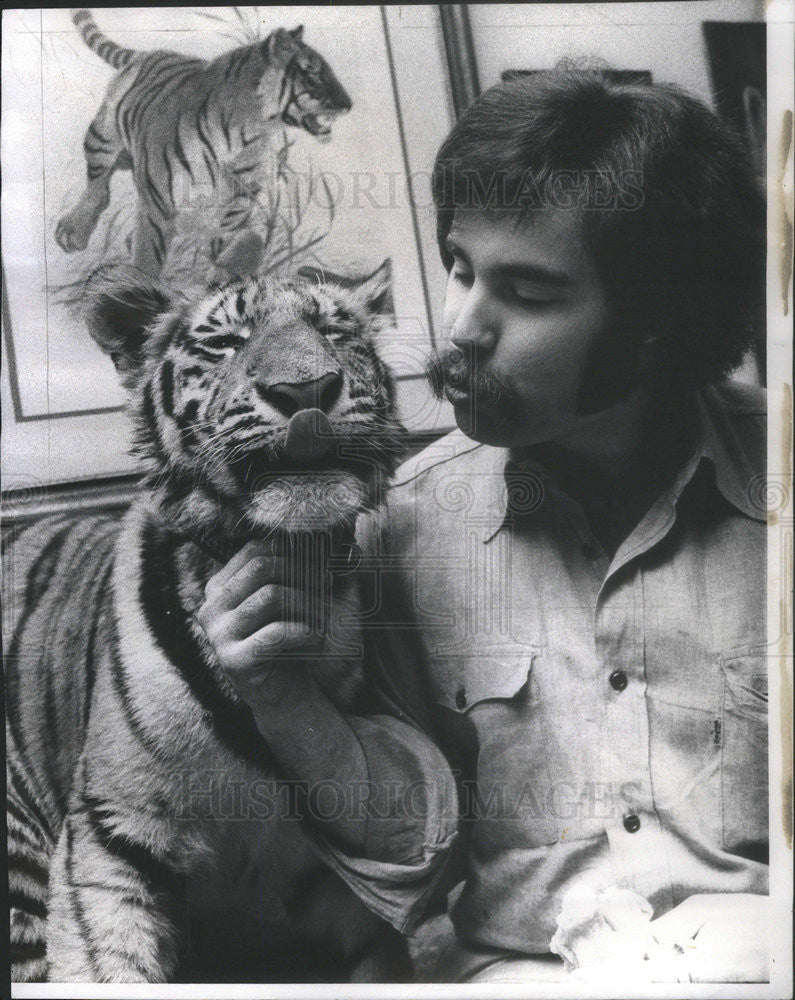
461	369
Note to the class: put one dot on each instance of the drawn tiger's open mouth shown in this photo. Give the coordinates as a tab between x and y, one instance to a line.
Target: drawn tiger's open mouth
319	124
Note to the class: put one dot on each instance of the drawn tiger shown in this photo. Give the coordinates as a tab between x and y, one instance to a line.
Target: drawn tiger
148	837
184	124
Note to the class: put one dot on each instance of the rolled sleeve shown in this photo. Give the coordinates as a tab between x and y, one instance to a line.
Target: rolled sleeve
411	803
412	816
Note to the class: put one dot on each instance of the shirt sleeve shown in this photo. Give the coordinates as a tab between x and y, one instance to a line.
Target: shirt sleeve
411	810
410	802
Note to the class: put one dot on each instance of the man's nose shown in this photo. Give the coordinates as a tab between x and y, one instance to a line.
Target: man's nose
476	326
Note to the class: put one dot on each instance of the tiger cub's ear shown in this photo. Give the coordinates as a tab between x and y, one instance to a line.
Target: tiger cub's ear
375	290
119	321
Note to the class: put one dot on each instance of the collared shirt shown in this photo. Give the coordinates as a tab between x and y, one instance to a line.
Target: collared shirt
607	717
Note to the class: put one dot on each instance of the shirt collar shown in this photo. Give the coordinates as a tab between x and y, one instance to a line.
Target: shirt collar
517	488
739	470
738	459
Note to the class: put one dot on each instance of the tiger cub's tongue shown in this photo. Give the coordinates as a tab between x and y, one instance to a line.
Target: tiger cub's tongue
310	436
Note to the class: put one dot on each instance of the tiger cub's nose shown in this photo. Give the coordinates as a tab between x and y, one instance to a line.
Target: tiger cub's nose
290	397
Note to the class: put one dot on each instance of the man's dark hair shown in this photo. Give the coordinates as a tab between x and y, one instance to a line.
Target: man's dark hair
671	211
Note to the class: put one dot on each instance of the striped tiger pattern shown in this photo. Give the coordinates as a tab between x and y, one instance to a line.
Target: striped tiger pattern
50	575
148	838
187	125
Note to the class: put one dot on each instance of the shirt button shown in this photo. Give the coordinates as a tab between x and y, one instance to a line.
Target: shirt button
618	680
461	698
631	823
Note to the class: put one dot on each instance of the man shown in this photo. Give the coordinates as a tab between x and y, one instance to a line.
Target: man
570	588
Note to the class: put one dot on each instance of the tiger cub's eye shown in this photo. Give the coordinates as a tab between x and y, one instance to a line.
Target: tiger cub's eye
222	341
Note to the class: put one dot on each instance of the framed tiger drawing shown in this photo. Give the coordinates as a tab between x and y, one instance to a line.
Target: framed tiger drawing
179	123
124	736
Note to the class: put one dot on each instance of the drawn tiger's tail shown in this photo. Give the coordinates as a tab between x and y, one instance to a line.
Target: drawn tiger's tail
116	55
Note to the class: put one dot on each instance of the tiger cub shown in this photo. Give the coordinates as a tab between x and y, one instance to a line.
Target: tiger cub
182	124
148	837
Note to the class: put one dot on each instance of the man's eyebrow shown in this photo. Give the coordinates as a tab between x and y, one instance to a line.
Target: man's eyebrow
522	271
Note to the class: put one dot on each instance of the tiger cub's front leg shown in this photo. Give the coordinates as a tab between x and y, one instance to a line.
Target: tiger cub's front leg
112	907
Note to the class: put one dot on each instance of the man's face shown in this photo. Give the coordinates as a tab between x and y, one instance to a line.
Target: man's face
523	307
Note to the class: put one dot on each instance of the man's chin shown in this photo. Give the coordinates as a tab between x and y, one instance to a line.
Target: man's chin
479	425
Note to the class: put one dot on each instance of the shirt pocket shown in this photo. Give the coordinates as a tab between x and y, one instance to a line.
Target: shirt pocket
493	704
468	683
744	786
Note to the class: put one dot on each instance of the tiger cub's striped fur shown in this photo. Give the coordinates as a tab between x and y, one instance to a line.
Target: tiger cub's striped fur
148	839
184	124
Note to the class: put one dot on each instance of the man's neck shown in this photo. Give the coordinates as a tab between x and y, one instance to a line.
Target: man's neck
618	462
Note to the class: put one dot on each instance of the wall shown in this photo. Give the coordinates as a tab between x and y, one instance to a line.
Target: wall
664	38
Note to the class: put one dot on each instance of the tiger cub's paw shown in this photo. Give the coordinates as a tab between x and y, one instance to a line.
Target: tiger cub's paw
73	230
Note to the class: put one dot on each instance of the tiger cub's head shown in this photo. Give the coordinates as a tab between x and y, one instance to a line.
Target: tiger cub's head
310	95
261	406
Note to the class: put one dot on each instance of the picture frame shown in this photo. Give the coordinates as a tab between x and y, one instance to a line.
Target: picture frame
77	460
65	435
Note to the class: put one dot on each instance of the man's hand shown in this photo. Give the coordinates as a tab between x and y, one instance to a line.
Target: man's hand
265	623
259	621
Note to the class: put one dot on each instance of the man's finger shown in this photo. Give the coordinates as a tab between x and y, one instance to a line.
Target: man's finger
270	603
282	640
251	550
259	571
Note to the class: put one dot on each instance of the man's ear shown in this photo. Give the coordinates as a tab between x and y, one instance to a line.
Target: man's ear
119	321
